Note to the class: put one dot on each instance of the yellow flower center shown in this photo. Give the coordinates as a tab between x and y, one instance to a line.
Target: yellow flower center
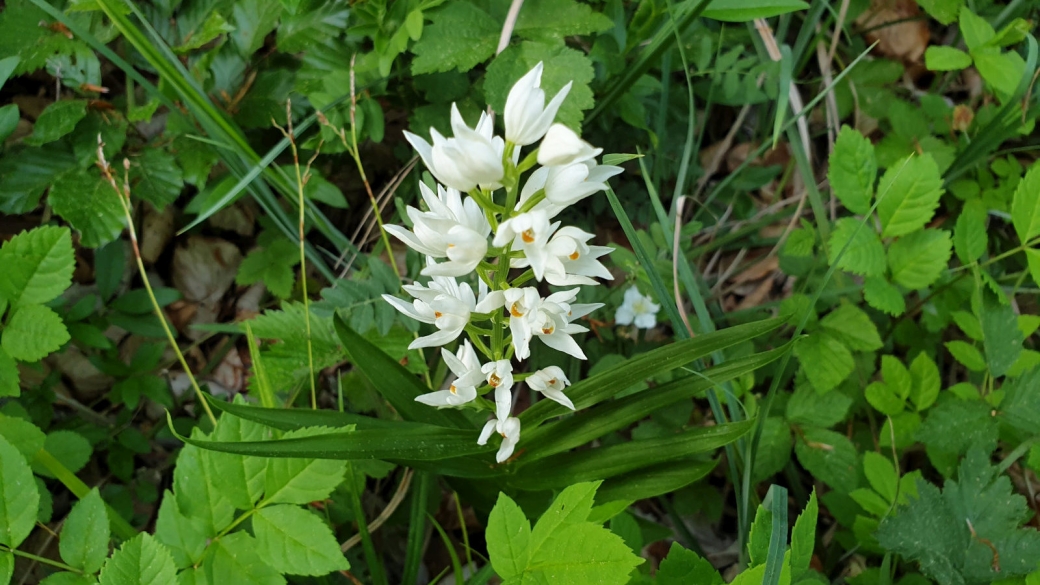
515	310
437	314
527	236
453	390
548	329
494	380
575	255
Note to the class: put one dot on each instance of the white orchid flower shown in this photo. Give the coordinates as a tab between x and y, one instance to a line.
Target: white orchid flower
528	233
443	302
509	428
499	375
561	146
570	260
551	322
521	303
527	118
566	185
637	309
550	382
468	374
473	156
452	229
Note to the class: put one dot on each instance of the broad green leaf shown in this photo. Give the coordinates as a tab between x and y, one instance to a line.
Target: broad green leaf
8	375
853	170
927	384
139	561
853	327
830	457
7	66
803	537
461	36
976	30
70	448
883	398
908	194
682	567
297	542
508	536
969	235
759	536
302	480
940	58
774	448
198	496
562	65
581	553
38	265
84	537
22	435
1025	206
1002	339
917	259
825	360
967	354
945	11
881	474
808	407
883	296
604	462
864	255
234	559
19	497
155	177
955	426
57	120
26	173
571	507
90	204
552	19
747	10
239	477
33	333
182	536
896	376
1001	70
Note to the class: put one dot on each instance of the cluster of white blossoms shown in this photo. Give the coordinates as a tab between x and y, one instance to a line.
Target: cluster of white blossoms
502	318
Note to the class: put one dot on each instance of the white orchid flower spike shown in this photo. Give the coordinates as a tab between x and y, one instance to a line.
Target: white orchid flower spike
527	118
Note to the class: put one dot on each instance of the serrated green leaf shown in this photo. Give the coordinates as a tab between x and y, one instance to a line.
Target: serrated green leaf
759	536
967	354
581	553
853	327
70	448
22	435
140	561
683	566
909	192
825	360
460	37
57	120
955	426
156	177
272	265
33	333
1025	205
881	474
295	541
881	396
541	19
1002	340
945	11
182	536
927	384
969	235
917	259
299	480
26	172
853	170
940	58
808	407
572	506
830	457
21	34
84	537
213	26
508	537
9	375
562	65
1003	71
774	450
19	498
865	255
883	296
235	560
38	265
198	496
239	477
896	376
747	10
803	537
90	204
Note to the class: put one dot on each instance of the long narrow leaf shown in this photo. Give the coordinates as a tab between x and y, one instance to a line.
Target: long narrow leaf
653	481
776	502
285	419
605	462
606	384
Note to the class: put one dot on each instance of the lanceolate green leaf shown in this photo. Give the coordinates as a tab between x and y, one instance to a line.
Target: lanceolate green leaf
606	384
285	419
746	10
604	462
650	482
393	382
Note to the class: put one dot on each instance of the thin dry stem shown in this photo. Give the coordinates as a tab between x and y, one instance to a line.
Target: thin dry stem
123	195
391	507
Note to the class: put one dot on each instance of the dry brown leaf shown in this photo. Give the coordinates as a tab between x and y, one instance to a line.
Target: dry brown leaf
204	268
904	39
156	232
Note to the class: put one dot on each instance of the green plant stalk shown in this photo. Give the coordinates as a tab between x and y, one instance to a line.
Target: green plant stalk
303	258
79	489
123	195
40	559
375	566
417	526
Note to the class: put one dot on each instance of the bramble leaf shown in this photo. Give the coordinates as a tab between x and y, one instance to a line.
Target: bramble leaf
909	192
296	542
969	235
940	58
19	497
917	259
1025	206
38	265
853	327
460	37
84	537
56	121
853	170
90	204
865	255
883	296
562	65
826	361
33	333
140	561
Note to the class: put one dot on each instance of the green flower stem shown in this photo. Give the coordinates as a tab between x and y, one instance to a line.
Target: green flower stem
79	489
123	195
40	559
535	199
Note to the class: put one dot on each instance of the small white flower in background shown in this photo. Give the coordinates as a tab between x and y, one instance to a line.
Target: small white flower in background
527	118
550	382
566	185
561	146
472	157
468	375
528	233
499	375
637	309
452	229
509	428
